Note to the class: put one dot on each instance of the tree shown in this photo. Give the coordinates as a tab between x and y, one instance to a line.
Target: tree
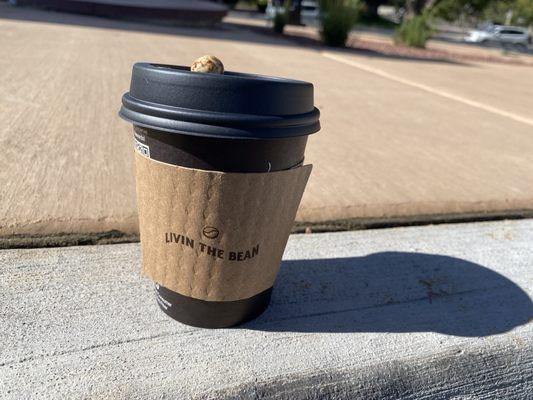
446	9
524	9
451	10
521	12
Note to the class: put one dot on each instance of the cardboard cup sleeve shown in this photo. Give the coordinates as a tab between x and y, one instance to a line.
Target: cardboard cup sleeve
211	235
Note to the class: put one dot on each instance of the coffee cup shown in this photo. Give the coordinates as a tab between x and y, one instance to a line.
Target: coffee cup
232	123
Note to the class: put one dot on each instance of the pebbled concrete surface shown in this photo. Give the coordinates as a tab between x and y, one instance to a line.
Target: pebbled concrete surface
436	312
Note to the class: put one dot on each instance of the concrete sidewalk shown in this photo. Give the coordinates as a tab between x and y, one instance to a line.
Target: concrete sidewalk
437	312
401	140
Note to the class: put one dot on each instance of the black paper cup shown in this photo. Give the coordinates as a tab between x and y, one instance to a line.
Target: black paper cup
230	123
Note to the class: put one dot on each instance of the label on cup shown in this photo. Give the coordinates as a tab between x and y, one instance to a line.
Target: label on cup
213	235
141	148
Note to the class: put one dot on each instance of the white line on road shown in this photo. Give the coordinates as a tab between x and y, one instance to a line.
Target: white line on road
429	89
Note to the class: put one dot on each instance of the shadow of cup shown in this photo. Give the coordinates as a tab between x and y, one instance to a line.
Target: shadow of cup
394	292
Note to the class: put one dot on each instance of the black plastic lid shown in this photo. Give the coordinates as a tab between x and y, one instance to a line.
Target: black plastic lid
231	105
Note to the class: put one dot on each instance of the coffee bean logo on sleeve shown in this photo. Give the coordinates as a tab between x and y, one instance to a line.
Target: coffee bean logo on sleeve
210	232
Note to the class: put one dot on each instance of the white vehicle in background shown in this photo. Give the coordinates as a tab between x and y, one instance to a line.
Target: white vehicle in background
500	34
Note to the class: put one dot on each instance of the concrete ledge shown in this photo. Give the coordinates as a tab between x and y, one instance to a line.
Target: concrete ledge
438	312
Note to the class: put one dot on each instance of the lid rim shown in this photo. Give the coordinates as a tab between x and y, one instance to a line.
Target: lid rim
216	131
215	117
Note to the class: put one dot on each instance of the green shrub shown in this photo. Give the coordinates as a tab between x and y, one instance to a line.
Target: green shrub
414	32
262	5
280	19
337	18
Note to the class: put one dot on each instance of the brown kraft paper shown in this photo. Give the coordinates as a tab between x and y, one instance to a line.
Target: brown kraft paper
213	235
